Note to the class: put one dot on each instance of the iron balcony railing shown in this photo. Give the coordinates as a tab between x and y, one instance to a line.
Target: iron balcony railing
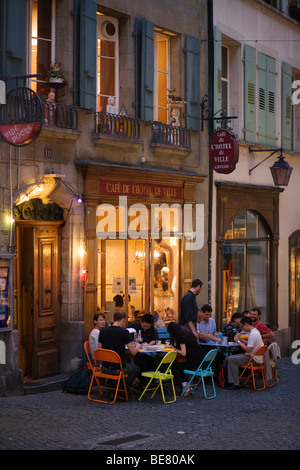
171	135
116	125
62	116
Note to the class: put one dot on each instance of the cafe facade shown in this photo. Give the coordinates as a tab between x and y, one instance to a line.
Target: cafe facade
110	199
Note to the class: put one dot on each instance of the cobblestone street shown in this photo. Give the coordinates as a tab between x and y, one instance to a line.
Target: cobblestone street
239	419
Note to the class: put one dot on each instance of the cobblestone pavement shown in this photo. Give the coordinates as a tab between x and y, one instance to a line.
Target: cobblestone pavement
240	419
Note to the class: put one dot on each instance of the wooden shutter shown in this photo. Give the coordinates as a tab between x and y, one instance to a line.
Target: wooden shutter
85	59
266	78
286	107
144	68
147	75
192	71
217	73
14	39
250	93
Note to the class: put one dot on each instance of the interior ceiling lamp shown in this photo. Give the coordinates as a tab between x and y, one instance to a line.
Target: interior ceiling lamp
281	170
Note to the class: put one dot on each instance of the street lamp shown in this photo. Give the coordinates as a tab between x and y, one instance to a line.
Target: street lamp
281	170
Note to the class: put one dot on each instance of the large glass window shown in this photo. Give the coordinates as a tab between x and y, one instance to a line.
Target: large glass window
141	275
246	266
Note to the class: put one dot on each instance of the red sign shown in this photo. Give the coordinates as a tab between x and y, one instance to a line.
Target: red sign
223	151
17	134
125	188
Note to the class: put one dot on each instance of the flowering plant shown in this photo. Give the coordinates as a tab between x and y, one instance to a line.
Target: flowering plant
172	95
55	72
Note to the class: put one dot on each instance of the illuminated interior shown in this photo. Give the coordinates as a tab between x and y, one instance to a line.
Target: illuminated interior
161	78
150	266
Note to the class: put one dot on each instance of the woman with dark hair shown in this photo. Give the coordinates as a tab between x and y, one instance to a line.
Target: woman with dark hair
186	345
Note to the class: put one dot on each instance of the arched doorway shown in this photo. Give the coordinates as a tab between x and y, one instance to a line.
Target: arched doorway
37	293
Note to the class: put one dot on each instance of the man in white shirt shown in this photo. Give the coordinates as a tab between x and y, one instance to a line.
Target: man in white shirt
249	346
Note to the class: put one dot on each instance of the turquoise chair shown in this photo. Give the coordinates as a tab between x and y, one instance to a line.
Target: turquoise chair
203	373
161	376
162	333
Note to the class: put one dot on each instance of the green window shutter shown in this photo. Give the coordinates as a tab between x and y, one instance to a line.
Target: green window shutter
147	75
266	77
144	68
262	97
85	60
217	73
13	46
250	93
138	65
271	110
192	71
286	107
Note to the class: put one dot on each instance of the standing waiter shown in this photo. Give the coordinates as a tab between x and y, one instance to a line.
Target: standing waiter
189	308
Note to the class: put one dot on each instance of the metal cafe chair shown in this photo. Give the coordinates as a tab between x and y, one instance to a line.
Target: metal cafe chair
107	355
161	376
254	369
204	370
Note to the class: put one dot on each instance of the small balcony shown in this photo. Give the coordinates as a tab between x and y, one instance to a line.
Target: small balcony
62	116
114	125
166	134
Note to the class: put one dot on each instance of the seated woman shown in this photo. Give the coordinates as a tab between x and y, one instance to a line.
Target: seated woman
99	323
185	343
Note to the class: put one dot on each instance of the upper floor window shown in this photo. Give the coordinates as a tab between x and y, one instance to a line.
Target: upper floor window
107	64
225	78
161	77
41	54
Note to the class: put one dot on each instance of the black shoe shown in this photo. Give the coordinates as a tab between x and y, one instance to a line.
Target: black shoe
232	387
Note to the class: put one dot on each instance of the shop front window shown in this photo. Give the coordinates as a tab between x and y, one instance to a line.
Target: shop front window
140	275
246	261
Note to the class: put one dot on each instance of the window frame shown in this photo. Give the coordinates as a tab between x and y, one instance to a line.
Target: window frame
30	38
156	71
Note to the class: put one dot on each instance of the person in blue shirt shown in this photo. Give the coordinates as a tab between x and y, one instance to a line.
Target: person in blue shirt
207	330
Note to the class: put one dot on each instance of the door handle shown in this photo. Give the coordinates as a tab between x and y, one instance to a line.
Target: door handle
47	291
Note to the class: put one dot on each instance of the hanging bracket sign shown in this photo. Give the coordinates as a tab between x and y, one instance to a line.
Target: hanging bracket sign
21	118
223	151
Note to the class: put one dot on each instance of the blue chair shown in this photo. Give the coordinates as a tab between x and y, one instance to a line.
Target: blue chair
162	333
203	372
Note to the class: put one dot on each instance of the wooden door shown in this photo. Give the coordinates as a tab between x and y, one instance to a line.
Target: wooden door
46	305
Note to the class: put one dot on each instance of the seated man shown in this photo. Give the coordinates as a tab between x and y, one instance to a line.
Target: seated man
146	327
249	346
233	327
207	327
266	334
116	337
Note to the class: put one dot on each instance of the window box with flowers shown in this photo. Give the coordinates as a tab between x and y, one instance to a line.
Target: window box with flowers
55	75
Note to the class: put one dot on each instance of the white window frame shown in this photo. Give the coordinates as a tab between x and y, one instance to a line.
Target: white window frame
100	19
29	36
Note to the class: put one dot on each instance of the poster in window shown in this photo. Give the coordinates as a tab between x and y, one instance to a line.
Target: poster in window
132	288
118	286
4	312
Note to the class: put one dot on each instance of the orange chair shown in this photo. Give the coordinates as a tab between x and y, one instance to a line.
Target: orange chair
87	350
107	355
255	368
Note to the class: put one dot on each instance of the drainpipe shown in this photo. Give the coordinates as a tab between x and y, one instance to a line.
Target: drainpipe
210	32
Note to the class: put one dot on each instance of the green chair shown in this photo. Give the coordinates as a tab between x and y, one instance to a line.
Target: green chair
204	370
161	376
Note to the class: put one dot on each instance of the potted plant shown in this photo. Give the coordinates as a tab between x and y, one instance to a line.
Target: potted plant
172	95
55	75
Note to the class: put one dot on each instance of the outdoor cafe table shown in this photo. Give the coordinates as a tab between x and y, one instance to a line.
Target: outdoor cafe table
226	349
